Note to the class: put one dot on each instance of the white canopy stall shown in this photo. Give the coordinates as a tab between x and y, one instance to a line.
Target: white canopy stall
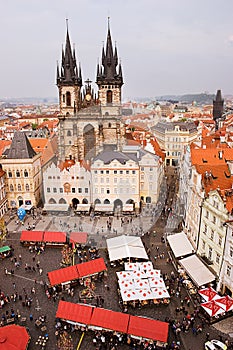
197	271
123	247
180	244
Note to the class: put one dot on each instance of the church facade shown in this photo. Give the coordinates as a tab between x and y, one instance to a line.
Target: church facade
89	122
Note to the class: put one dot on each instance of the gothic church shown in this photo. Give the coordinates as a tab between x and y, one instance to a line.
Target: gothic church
89	123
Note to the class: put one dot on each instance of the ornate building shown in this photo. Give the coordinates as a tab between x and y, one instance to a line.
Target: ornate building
89	123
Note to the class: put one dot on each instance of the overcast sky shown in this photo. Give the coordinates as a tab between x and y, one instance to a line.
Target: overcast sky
165	47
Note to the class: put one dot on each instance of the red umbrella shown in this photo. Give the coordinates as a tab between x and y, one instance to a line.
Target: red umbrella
212	308
13	337
208	293
225	302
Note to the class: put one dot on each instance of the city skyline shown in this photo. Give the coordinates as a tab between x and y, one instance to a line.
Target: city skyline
164	48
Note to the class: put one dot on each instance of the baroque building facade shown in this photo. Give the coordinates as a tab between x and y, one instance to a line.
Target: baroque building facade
22	166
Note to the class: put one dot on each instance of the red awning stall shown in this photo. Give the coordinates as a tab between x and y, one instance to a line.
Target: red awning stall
31	237
64	275
54	238
148	329
13	337
78	237
110	320
76	313
91	267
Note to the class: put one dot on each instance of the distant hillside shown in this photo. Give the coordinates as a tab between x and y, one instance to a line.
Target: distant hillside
29	100
200	99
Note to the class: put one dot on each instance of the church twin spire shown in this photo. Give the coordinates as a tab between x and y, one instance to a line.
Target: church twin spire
107	71
69	74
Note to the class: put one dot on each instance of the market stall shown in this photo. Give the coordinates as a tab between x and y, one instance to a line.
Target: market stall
67	274
197	270
78	314
78	237
180	244
109	320
146	328
5	252
91	267
54	239
31	237
126	247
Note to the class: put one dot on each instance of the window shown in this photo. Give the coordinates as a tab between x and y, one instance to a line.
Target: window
73	189
54	190
107	180
203	245
68	133
95	172
68	98
109	96
133	172
86	190
212	235
219	240
115	179
107	171
231	252
115	190
108	191
142	168
19	187
79	190
27	187
9	174
214	219
17	173
127	171
115	171
207	214
121	171
11	188
102	190
210	253
151	169
61	190
102	180
217	258
49	177
48	189
215	204
228	270
101	171
205	229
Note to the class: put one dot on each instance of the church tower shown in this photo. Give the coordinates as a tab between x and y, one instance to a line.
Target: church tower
69	81
89	124
109	75
218	106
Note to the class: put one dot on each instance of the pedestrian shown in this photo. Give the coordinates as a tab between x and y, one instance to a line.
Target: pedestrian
207	336
14	285
31	317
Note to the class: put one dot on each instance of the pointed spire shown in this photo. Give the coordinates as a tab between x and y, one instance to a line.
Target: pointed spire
68	66
107	72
